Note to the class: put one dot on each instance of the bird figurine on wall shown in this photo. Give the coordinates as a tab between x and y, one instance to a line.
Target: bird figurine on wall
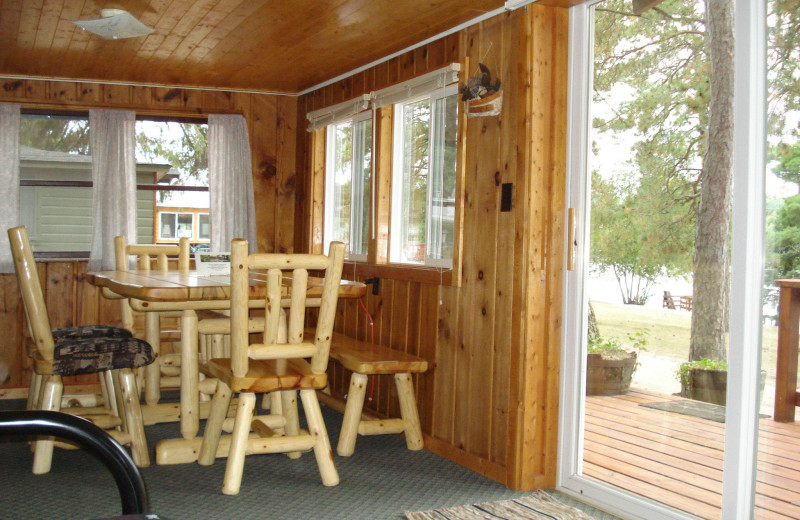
479	86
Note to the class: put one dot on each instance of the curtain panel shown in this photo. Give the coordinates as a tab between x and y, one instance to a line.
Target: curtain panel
113	145
9	179
230	182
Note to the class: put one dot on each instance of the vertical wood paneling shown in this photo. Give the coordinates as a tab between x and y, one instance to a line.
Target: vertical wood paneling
285	153
506	234
490	398
263	129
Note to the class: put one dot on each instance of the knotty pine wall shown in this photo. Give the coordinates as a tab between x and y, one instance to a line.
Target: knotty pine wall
272	126
492	336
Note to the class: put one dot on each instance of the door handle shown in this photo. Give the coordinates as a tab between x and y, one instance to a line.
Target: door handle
571	242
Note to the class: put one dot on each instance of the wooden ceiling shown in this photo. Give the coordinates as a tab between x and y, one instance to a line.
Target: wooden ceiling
258	45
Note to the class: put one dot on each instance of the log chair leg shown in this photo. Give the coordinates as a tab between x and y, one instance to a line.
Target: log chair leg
352	415
132	411
408	411
213	431
241	431
43	447
316	427
288	408
33	391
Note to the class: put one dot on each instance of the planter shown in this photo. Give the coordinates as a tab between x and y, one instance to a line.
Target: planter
486	106
609	376
711	386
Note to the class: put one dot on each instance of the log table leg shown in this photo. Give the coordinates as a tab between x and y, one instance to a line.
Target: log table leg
190	399
786	371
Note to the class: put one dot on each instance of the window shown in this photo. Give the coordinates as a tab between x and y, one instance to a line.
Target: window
347	184
175	212
56	180
424	179
174	226
203	227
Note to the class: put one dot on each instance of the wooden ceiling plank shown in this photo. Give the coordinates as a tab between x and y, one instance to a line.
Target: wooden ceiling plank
201	27
221	26
236	44
28	24
48	22
9	28
65	30
238	31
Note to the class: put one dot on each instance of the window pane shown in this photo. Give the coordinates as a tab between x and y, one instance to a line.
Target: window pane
423	194
411	196
362	173
178	152
56	149
185	221
167	225
203	227
442	190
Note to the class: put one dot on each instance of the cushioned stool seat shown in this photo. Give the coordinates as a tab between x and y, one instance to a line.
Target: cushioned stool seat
90	331
89	355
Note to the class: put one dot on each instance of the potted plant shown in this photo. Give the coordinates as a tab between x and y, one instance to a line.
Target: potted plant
610	365
707	380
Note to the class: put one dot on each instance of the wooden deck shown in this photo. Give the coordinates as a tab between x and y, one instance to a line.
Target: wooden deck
677	459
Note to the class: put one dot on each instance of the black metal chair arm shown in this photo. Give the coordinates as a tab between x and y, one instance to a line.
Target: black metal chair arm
130	483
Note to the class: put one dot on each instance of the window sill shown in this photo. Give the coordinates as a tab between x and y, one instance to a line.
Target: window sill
404	272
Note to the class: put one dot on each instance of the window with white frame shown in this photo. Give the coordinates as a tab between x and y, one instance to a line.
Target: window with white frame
424	179
176	225
348	167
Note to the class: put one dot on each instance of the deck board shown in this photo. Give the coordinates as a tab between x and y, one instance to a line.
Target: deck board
677	459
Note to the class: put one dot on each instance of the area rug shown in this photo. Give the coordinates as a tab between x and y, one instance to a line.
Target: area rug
712	412
539	505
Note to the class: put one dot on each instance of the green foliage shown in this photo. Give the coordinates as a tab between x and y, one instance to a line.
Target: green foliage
783	241
639	232
682	374
183	145
651	78
637	341
55	134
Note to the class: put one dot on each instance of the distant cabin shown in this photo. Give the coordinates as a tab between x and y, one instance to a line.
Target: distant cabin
59	218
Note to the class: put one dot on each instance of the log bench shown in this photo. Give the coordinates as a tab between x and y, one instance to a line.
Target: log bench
365	359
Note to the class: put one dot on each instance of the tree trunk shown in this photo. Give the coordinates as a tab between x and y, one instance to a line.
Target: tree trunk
593	335
712	250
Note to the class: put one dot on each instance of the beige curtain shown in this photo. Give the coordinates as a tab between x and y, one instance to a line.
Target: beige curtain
9	179
230	182
113	147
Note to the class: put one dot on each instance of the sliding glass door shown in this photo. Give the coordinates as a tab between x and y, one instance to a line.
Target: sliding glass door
661	357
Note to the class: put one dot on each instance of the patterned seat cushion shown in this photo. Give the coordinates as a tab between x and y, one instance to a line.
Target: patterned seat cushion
89	331
89	355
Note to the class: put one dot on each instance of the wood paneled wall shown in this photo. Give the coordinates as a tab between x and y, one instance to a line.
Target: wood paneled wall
490	399
272	125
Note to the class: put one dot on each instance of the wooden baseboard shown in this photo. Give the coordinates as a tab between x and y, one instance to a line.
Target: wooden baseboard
486	468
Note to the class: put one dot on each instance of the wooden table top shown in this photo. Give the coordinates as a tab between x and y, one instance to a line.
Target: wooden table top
176	286
787	282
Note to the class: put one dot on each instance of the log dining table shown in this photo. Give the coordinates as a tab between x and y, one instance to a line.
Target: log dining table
187	292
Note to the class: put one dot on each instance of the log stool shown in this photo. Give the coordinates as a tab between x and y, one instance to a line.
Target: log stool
365	359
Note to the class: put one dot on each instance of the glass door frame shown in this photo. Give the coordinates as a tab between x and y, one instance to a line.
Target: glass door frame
741	431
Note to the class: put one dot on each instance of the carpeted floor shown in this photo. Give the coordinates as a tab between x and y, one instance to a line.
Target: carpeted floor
380	481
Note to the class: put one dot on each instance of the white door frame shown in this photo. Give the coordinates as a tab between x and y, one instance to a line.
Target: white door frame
746	271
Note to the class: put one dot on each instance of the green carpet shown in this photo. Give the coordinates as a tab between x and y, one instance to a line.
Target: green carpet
380	481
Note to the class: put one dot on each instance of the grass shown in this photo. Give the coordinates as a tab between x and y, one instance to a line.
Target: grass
668	331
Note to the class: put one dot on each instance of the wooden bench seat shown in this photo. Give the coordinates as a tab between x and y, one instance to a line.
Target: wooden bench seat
365	359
